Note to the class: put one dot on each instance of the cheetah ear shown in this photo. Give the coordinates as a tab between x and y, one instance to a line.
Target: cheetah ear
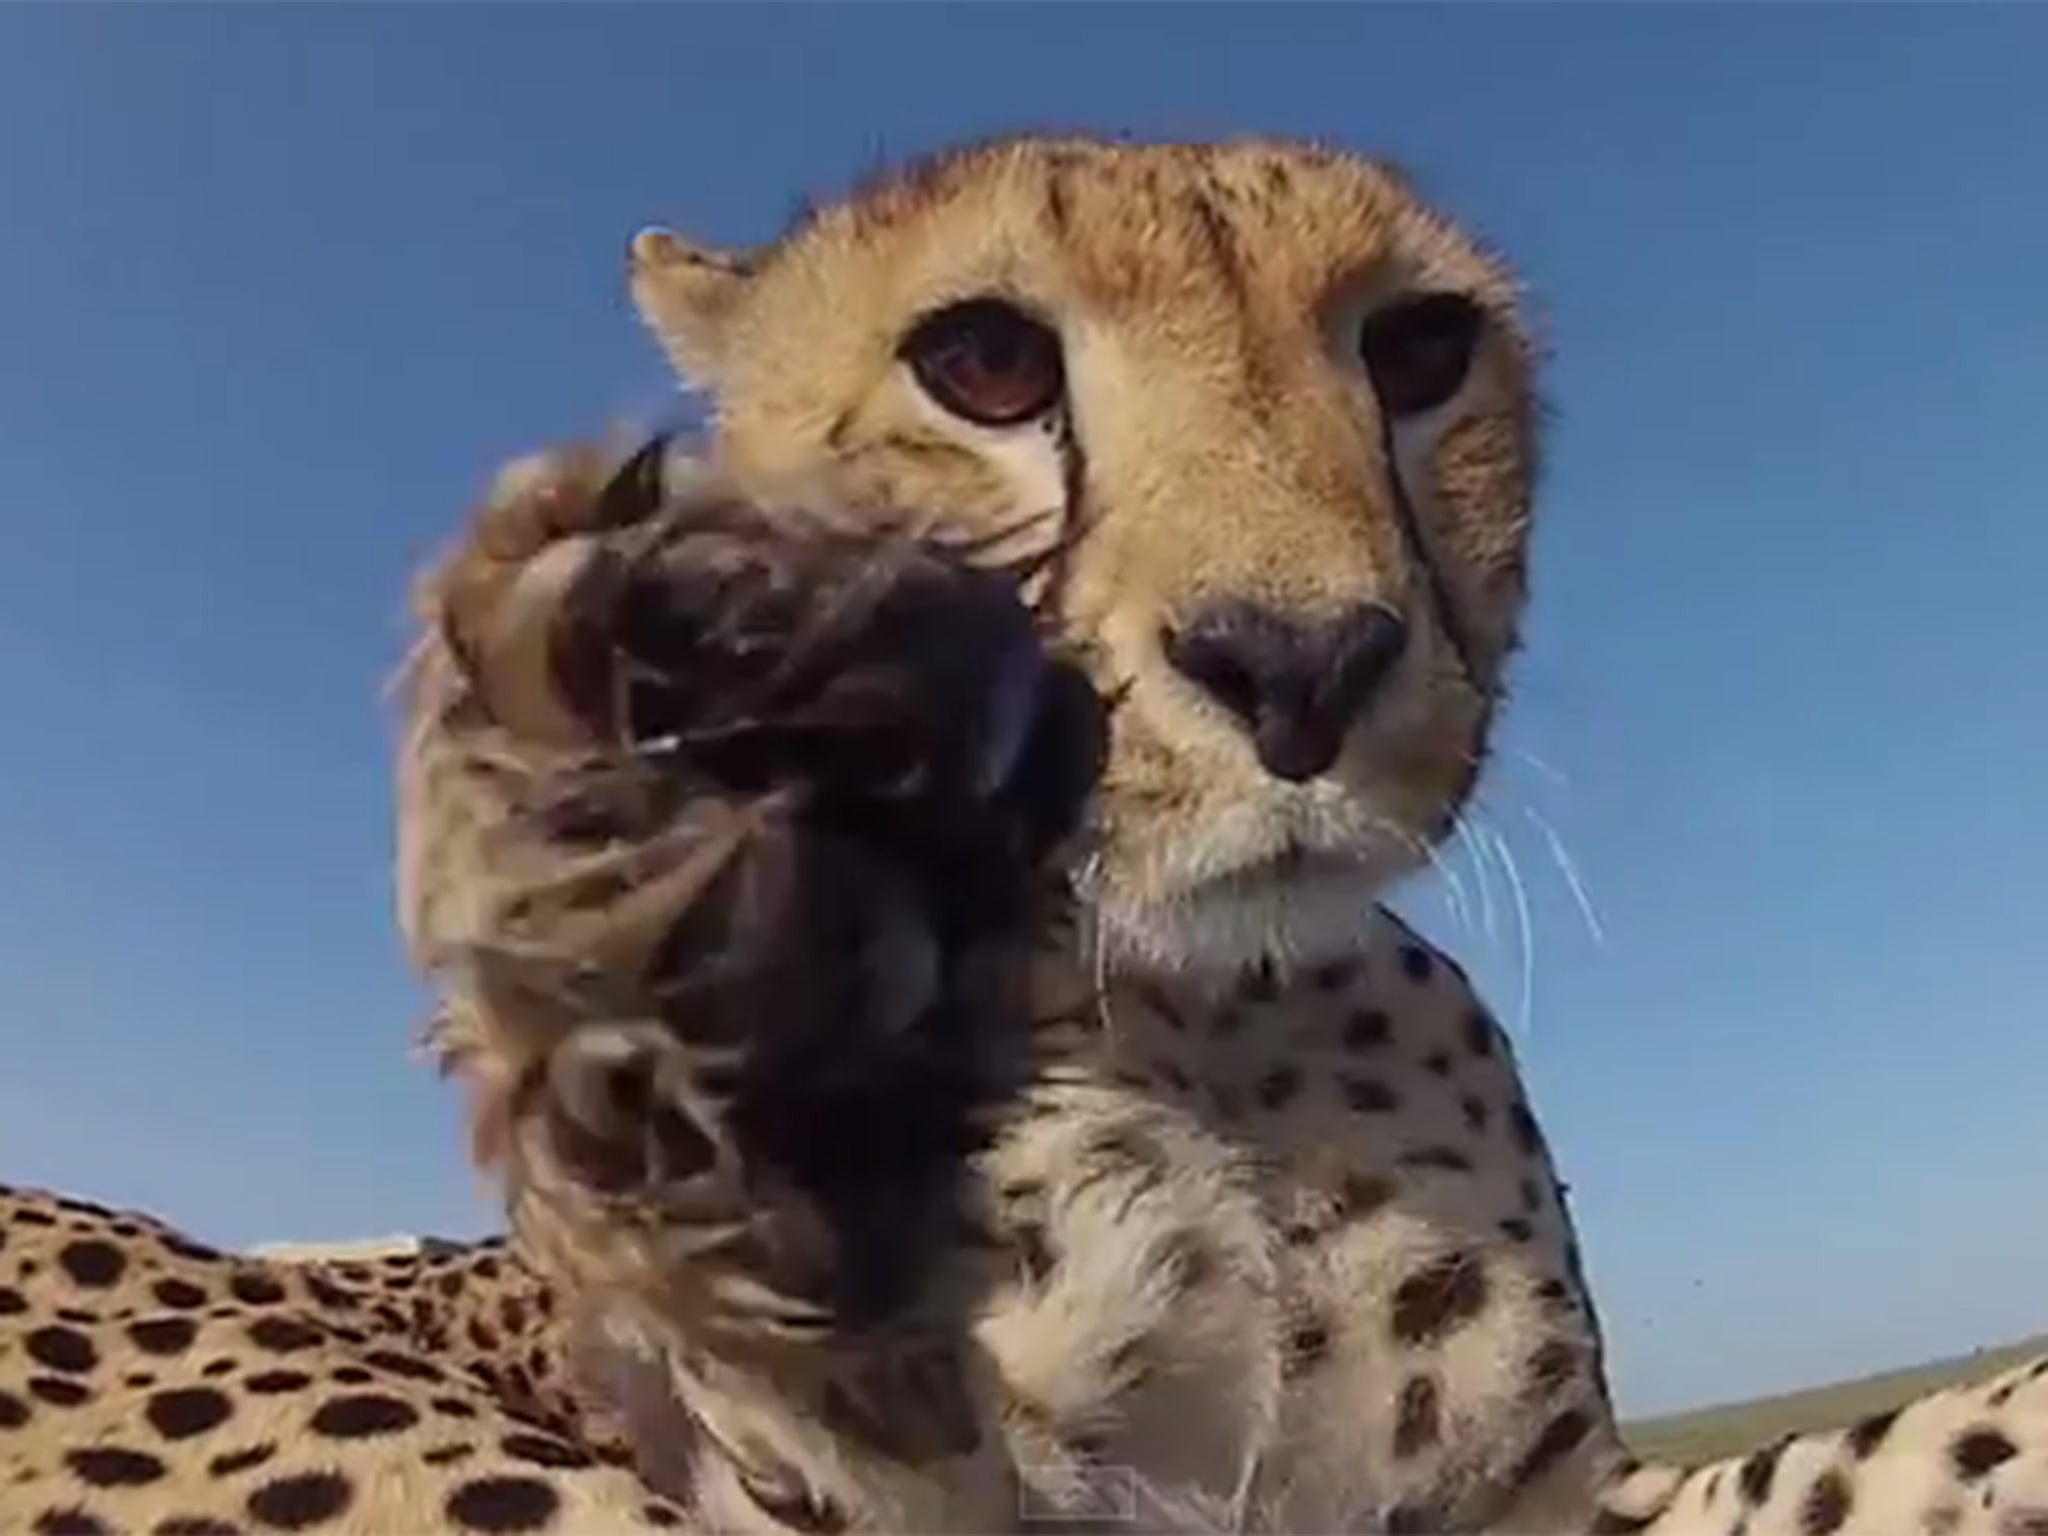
687	295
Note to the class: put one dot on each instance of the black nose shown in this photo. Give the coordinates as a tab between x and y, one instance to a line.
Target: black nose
1297	687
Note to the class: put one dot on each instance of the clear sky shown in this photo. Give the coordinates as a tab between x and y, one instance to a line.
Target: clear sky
278	284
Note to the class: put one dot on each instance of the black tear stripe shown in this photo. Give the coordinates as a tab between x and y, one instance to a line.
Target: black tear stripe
1446	612
1066	441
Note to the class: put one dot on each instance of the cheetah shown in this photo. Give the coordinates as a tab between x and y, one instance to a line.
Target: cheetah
901	880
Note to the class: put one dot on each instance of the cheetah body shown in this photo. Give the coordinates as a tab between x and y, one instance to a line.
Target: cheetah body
149	1383
1266	1235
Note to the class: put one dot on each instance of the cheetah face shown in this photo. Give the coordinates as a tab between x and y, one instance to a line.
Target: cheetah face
1284	413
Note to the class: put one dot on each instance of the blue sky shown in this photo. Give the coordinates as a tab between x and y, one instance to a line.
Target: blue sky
278	284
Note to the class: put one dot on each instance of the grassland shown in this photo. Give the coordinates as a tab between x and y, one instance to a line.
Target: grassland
1730	1428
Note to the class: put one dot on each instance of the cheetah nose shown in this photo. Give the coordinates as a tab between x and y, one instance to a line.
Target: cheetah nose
1295	687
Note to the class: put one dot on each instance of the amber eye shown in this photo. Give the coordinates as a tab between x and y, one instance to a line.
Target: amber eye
988	362
1418	351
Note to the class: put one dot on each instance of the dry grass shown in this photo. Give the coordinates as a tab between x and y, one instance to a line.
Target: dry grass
1730	1428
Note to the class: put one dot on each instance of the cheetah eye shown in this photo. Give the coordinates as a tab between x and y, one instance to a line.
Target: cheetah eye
987	362
1418	351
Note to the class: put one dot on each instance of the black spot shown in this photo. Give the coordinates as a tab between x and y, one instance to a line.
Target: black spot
1867	1434
1416	964
1560	1437
1615	1522
179	1413
139	1379
1447	1159
1523	1124
255	1289
1370	1097
1977	1451
303	1499
1278	1087
1361	1194
214	1369
70	1521
360	1415
283	1335
1336	975
185	1248
228	1463
278	1381
448	1455
453	1407
512	1314
92	1261
1259	984
1826	1505
328	1294
1517	1229
351	1375
411	1367
76	1315
1478	1033
182	1294
450	1284
61	1349
34	1219
109	1466
57	1391
661	1515
13	1411
1417	1423
1437	1063
1759	1470
543	1451
194	1525
1413	1519
12	1302
1367	1029
1550	1367
503	1504
1307	1345
1473	1108
1438	1298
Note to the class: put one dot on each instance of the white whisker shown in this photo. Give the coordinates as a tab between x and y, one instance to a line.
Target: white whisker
1524	922
1556	776
1454	889
1462	829
1569	868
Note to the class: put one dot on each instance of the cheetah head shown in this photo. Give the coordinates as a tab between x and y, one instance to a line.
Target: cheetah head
1286	414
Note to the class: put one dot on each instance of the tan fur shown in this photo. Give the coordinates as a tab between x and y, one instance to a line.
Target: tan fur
1208	299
